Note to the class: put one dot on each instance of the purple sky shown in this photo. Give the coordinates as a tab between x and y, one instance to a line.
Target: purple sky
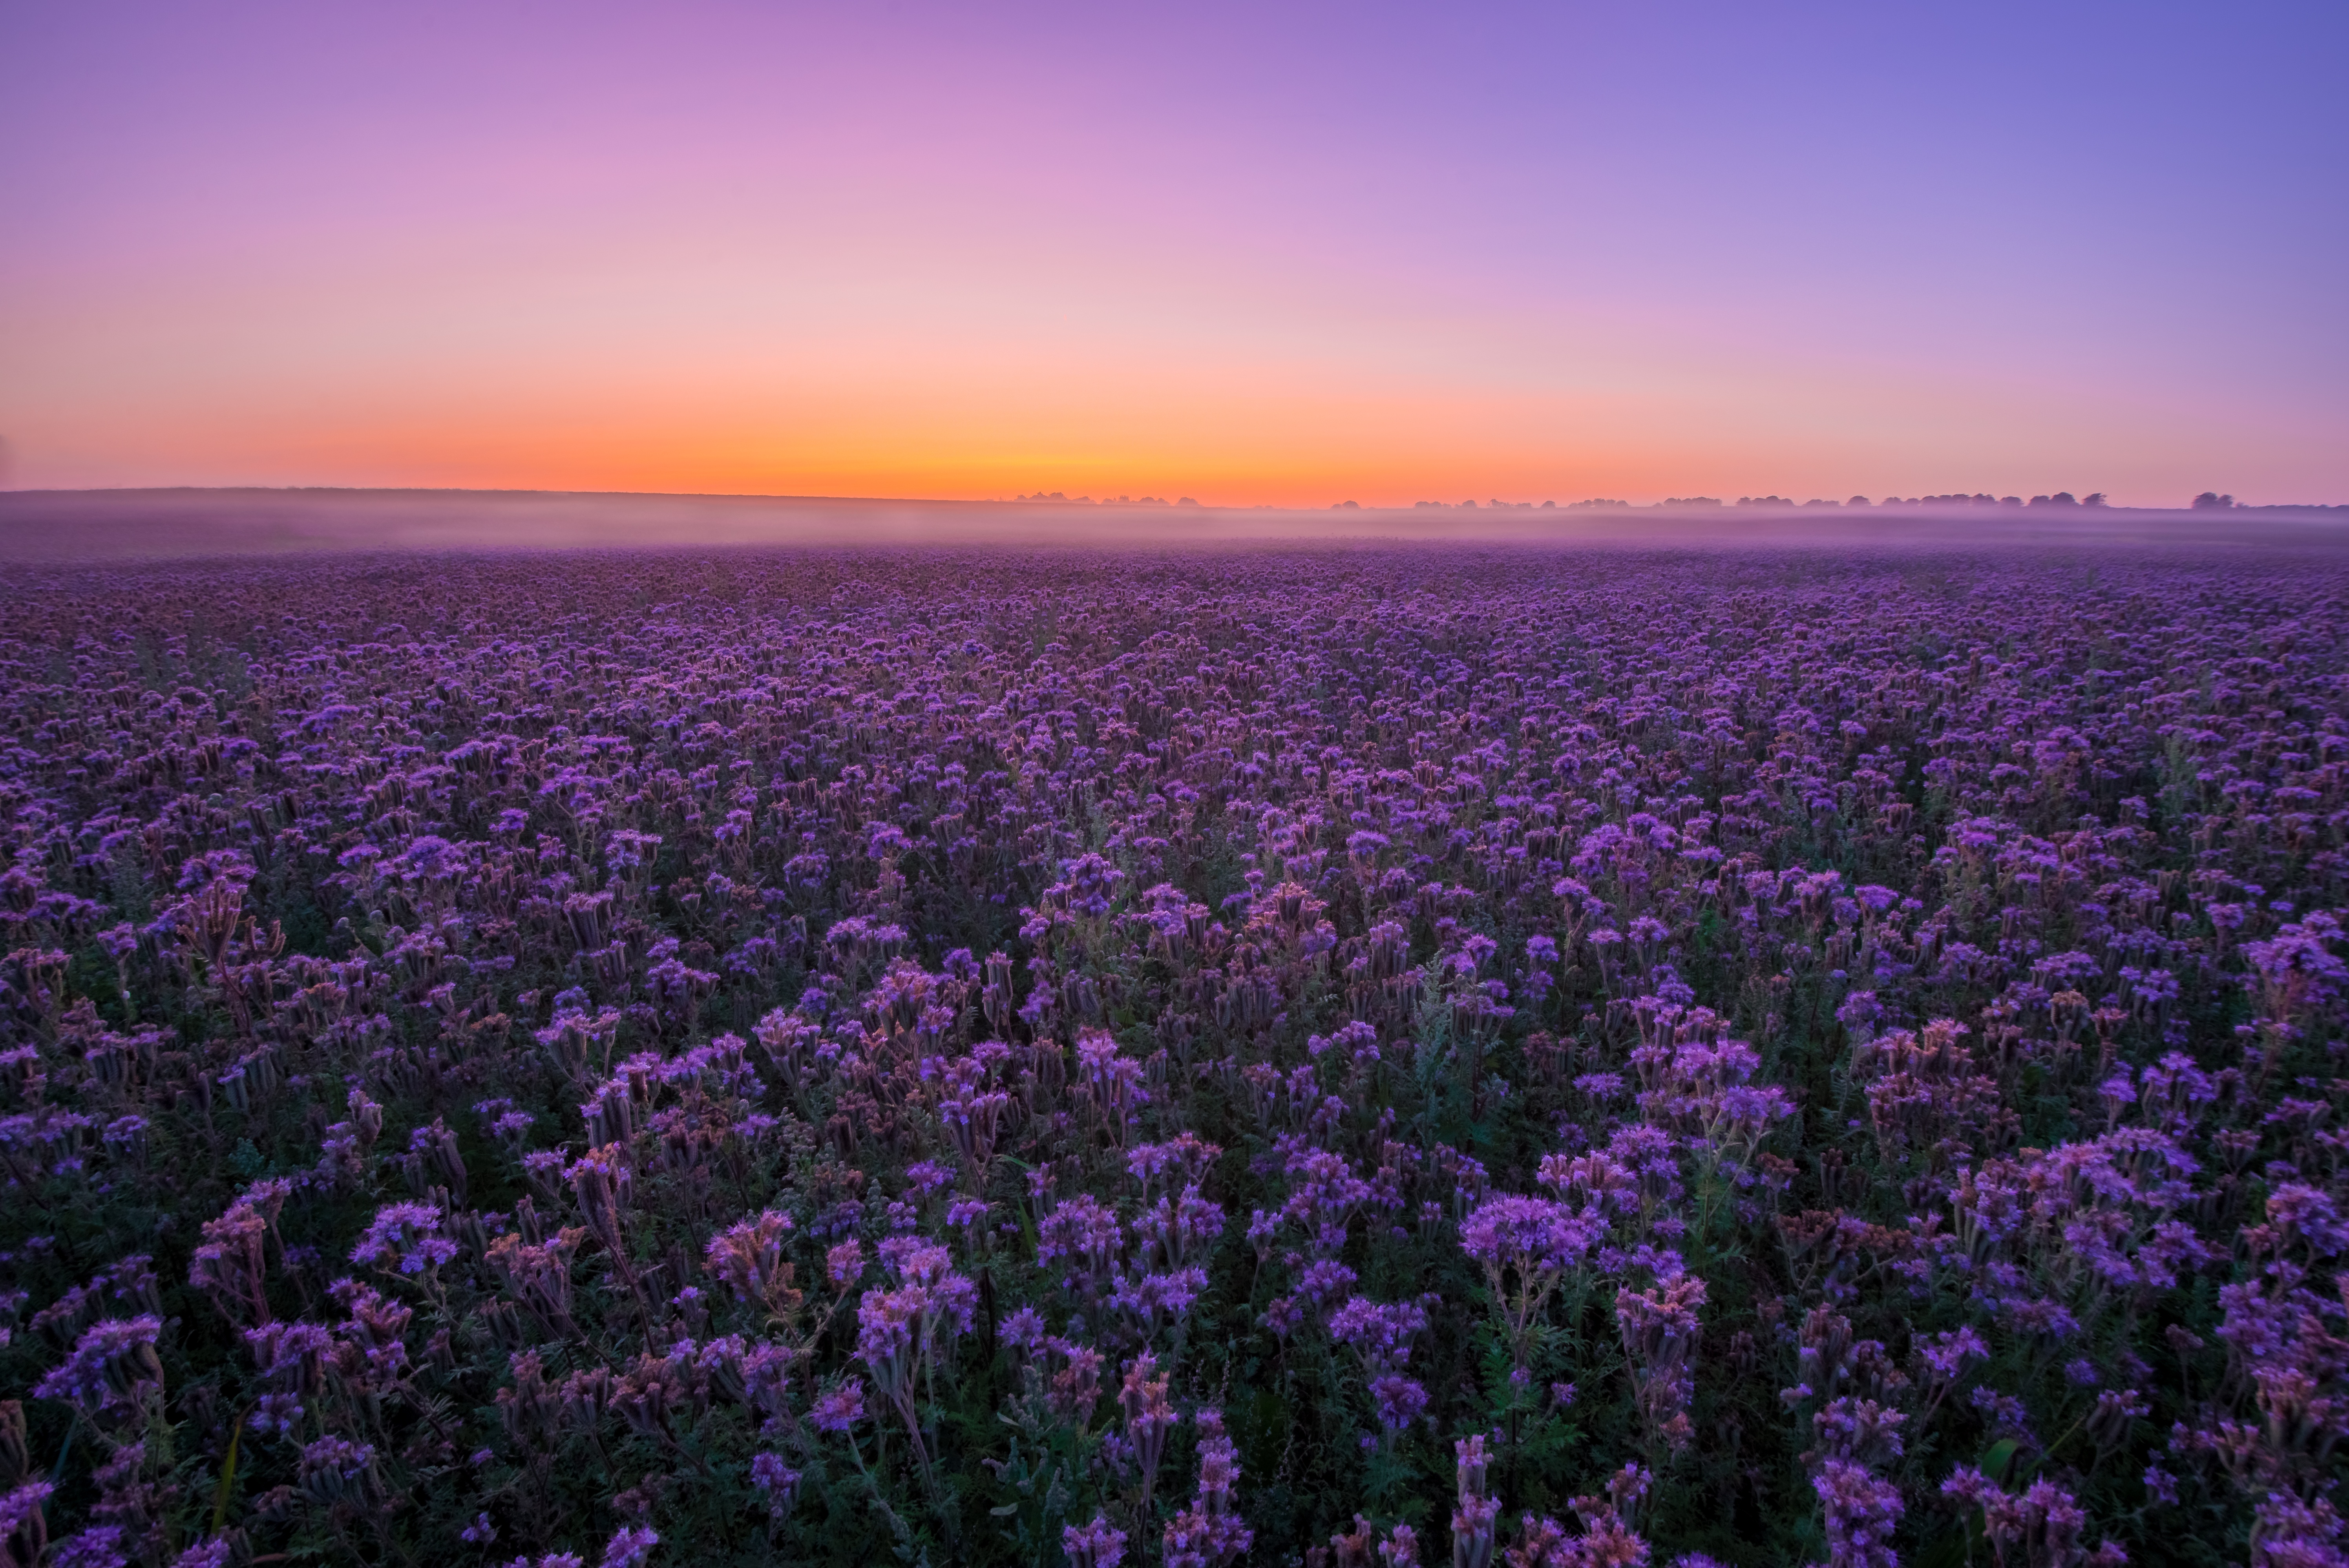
1248	253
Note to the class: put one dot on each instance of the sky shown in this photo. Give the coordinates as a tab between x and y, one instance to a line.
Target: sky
1251	254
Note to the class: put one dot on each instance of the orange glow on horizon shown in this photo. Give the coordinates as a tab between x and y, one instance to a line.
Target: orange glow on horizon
782	253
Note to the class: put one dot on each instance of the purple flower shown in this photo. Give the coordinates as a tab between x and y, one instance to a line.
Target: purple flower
100	1546
1325	1278
1943	1354
406	1235
840	1409
1382	1334
1099	1544
1024	1329
1861	1514
110	1363
630	1548
1528	1236
1398	1399
20	1515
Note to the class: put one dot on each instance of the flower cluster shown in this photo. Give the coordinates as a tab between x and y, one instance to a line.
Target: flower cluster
1605	1059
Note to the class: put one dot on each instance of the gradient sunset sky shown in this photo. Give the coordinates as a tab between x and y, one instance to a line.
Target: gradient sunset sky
1249	253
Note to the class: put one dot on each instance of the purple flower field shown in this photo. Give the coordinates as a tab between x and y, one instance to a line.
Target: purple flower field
1349	1057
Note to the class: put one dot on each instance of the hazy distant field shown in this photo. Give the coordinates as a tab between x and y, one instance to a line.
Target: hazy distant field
1440	1048
64	525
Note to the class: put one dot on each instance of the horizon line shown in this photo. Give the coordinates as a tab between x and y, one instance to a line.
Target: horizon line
1952	501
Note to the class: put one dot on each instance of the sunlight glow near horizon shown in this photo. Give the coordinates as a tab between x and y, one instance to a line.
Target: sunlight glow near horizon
1289	257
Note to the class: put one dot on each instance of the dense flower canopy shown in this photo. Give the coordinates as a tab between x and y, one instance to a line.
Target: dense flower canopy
1341	1056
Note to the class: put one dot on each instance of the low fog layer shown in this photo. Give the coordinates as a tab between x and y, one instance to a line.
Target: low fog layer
115	525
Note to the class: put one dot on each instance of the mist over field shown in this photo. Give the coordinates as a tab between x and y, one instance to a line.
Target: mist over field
101	525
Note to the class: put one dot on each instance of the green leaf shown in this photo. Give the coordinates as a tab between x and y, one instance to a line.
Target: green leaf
227	1475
